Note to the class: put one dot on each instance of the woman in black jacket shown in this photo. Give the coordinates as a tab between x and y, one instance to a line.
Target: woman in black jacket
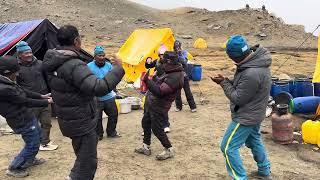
14	106
159	71
162	92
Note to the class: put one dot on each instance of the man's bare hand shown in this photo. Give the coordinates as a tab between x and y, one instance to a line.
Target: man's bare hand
218	79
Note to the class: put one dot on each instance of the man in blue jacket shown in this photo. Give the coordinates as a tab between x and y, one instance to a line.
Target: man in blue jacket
100	66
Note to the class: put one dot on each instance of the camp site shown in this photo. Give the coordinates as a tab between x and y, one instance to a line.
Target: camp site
110	90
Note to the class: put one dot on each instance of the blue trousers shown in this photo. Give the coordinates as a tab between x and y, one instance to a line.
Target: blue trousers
31	134
237	135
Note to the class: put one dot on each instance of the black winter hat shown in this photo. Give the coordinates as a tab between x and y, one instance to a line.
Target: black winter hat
8	65
170	56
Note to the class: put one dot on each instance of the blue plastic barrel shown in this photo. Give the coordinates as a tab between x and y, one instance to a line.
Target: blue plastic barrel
197	72
304	104
303	87
308	88
291	87
316	89
298	88
189	70
273	81
280	86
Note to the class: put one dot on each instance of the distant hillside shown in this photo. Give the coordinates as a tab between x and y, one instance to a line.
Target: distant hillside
112	21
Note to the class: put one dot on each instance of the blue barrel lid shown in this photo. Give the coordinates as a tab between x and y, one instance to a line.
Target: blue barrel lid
280	82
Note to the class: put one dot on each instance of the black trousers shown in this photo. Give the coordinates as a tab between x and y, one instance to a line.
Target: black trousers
189	96
155	121
110	108
85	148
43	114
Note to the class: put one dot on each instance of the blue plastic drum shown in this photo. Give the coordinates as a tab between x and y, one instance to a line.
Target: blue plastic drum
280	86
197	72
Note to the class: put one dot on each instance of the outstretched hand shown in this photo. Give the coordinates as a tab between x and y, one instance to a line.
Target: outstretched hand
149	60
218	79
50	100
46	96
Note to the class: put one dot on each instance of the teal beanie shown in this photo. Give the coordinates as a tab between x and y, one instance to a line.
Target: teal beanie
23	46
98	50
237	46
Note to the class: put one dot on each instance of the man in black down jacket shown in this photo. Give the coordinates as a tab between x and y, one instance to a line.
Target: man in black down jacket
32	78
14	106
73	88
159	98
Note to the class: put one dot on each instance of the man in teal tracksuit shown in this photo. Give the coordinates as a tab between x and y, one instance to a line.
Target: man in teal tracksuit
248	93
100	66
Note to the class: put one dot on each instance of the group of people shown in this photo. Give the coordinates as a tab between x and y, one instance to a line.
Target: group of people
81	92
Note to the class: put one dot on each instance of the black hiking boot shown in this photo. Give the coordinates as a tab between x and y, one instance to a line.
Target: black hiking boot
35	162
257	175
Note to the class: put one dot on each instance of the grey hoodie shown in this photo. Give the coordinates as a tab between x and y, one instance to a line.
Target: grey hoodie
249	91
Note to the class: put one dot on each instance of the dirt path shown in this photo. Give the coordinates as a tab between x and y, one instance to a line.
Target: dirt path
196	138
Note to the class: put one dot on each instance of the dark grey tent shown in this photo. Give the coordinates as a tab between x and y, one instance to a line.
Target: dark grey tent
40	34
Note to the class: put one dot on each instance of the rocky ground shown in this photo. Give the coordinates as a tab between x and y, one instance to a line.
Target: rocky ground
196	137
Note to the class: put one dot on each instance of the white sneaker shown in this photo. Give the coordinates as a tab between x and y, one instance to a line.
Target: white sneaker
193	110
166	154
144	149
177	109
167	130
48	147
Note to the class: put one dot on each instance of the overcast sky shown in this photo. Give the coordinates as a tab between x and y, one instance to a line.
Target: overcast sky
305	12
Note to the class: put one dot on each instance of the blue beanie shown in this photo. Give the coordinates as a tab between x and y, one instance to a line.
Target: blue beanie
237	47
23	46
98	50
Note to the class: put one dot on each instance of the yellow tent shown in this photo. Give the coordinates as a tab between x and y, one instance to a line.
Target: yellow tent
316	75
200	44
224	45
141	44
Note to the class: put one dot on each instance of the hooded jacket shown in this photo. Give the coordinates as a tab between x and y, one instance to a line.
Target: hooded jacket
73	87
163	91
101	72
249	91
32	77
15	103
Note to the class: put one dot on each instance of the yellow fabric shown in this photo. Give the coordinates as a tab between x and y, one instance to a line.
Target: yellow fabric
316	75
118	105
224	45
141	44
310	131
200	44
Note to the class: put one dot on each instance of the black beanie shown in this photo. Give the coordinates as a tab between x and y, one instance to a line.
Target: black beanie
8	65
171	57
